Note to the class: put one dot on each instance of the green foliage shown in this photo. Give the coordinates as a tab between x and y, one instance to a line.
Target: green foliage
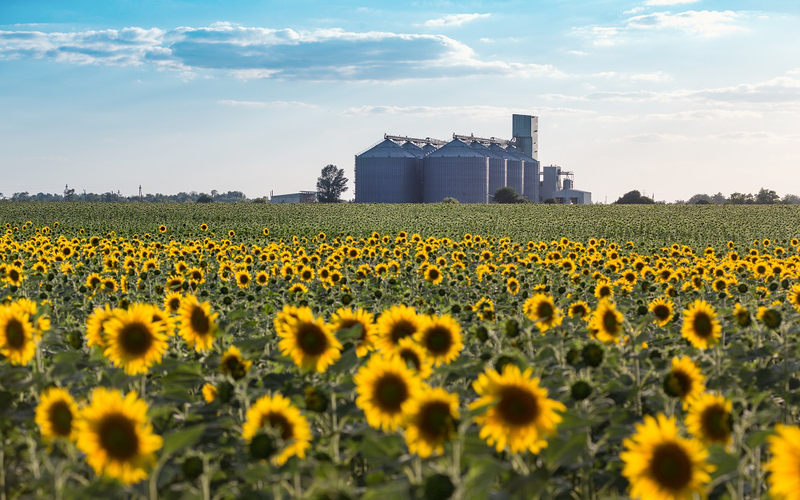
507	195
634	198
331	184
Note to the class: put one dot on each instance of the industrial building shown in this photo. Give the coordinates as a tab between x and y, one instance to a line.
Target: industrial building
403	169
301	197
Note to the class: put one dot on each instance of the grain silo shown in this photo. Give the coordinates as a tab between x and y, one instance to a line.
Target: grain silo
514	168
530	175
497	167
456	171
387	173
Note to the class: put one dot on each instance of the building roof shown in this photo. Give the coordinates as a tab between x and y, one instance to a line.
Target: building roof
456	148
486	151
387	149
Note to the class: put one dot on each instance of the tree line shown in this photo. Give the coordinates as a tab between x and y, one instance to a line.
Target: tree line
763	197
111	197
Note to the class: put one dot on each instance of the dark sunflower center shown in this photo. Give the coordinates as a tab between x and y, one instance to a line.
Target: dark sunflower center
517	406
15	334
391	392
661	312
702	325
174	304
680	383
13	274
60	418
280	423
199	321
439	340
402	329
433	274
135	339
409	356
671	467
716	423
610	323
243	279
311	339
118	437
578	311
196	275
544	311
435	421
604	291
93	282
110	285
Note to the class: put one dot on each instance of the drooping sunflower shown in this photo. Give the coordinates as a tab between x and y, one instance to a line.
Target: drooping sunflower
541	309
742	315
709	419
385	387
520	415
784	467
309	341
441	338
18	336
345	319
431	421
685	381
56	415
116	435
663	310
198	325
771	317
607	322
662	465
133	341
233	364
277	415
700	324
396	323
414	356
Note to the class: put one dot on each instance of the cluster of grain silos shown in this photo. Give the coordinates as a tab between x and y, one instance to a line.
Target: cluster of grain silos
470	169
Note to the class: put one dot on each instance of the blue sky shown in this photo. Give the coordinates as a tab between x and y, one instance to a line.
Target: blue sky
672	97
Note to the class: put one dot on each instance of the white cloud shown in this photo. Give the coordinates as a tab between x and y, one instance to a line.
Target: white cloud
453	20
687	115
669	2
651	138
658	76
579	53
634	10
699	23
473	111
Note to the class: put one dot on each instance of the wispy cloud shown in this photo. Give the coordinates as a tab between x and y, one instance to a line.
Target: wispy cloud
473	111
252	53
453	20
658	76
669	2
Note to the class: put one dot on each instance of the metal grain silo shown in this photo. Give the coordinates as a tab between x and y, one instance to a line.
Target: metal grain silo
456	171
419	153
387	173
514	168
428	148
531	175
497	167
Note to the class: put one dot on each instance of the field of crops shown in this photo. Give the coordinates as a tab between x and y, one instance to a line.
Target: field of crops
437	351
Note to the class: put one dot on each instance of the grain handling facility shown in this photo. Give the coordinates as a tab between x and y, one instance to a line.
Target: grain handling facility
470	169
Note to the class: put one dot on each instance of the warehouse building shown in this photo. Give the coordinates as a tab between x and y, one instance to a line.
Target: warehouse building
470	169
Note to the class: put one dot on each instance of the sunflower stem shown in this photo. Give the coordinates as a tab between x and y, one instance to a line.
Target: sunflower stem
417	470
205	480
455	471
334	429
298	485
143	385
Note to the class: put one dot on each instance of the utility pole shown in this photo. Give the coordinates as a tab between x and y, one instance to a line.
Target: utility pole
140	192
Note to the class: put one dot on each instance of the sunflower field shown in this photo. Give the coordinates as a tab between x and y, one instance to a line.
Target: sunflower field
399	352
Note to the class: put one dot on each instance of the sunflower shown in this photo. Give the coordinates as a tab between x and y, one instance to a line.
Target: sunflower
308	341
784	467
607	322
14	275
233	364
204	227
433	275
662	465
116	435
414	356
709	419
541	309
431	421
512	285
95	326
580	309
56	415
485	309
700	324
262	278
172	302
662	309
345	319
394	324
771	317
209	392
520	414
133	341
243	279
441	338
93	281
603	290
18	337
198	327
276	414
684	381
742	315
265	231
162	229
385	388
794	296
298	288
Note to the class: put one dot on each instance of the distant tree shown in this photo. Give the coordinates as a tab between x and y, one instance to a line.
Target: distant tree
549	201
767	197
23	196
788	199
262	199
718	199
740	199
331	184
451	200
507	194
634	198
204	198
706	199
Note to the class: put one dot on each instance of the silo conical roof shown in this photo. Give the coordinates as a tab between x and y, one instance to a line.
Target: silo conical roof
518	152
486	151
502	152
428	148
413	149
387	149
458	149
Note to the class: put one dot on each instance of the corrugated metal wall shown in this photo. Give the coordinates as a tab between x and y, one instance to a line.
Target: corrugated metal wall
463	178
497	167
532	181
388	173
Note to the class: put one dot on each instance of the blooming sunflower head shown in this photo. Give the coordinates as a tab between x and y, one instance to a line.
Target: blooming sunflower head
430	421
659	463
542	309
233	364
414	356
197	324
662	310
385	386
441	338
684	381
579	309
116	435
133	340
710	419
607	322
700	325
17	335
346	319
56	415
520	416
394	324
309	341
784	468
276	429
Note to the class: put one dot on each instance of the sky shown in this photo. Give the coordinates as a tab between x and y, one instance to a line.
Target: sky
670	97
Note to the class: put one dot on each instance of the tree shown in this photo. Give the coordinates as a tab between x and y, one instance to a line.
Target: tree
767	197
738	198
451	200
507	194
788	199
331	184
700	199
633	198
204	198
